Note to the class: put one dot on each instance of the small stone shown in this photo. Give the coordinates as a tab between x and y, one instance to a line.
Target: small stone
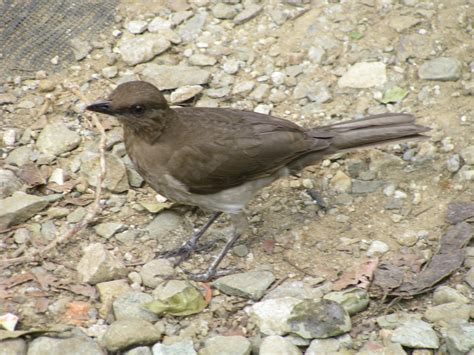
20	156
19	208
248	13
446	294
402	23
447	312
442	69
231	67
77	344
155	271
139	350
108	229
158	24
56	138
460	338
330	345
163	224
323	319
364	187
143	48
393	320
392	349
466	173
341	182
77	215
99	265
467	154
240	250
407	239
9	183
108	292
131	305
354	300
272	315
191	29
80	48
416	334
13	347
377	248
252	284
202	60
137	26
46	85
181	347
167	77
238	345
110	72
224	11
243	88
317	54
125	333
364	75
6	99
116	178
185	93
273	345
22	235
128	237
454	163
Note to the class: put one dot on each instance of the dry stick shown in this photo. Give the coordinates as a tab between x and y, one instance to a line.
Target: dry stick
91	214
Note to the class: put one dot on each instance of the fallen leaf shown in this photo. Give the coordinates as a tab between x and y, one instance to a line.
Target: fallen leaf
83	290
77	201
268	246
18	279
395	94
31	175
189	301
359	275
44	278
41	304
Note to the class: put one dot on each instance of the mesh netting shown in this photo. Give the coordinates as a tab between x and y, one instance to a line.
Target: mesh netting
32	32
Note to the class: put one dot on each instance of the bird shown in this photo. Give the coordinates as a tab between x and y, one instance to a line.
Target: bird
218	159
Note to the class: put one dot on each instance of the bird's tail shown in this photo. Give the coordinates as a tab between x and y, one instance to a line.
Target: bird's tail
371	131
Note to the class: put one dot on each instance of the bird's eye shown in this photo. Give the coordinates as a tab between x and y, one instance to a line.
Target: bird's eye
138	109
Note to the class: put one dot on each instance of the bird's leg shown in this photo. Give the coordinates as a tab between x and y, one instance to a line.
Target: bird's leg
240	223
191	245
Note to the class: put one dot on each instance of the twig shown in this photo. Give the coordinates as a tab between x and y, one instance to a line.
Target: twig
91	214
304	272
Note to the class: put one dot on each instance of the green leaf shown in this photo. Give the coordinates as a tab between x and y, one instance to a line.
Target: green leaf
356	35
189	301
395	94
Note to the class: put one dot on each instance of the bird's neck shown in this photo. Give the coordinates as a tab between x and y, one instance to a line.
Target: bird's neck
149	129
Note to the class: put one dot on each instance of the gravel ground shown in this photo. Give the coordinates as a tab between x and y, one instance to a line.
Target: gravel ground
311	62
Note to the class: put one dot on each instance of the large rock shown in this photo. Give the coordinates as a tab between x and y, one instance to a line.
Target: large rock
416	334
56	138
99	265
19	208
9	183
142	48
364	75
167	77
252	284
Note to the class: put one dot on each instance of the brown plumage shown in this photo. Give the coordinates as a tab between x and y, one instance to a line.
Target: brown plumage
218	158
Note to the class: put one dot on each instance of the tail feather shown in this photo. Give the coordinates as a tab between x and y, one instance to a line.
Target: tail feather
370	131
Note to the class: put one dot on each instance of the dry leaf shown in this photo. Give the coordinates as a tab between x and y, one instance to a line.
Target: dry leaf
31	175
360	275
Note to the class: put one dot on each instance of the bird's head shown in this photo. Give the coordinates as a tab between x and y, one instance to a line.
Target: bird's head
134	103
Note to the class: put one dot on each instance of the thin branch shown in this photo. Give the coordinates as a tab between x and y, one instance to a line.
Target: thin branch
91	215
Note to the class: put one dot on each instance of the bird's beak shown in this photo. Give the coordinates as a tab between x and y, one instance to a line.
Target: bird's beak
102	106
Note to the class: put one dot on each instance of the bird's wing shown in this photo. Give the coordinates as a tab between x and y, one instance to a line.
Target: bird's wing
240	146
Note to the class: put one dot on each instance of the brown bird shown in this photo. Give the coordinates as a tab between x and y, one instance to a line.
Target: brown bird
219	158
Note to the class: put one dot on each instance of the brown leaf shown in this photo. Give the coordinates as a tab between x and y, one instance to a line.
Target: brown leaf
359	275
84	290
44	278
41	304
76	201
64	188
31	175
18	279
268	246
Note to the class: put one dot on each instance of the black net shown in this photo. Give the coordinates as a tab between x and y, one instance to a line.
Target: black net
32	32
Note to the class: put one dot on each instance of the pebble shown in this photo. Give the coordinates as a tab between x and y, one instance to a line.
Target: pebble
108	229
180	347
460	338
252	284
353	300
13	347
185	93
202	60
139	350
128	237
274	345
224	11
272	316
323	319
77	344
248	13
21	236
163	224
80	48
409	239
467	154
238	345
142	48
191	29
377	248
130	305
19	207
448	312
110	72
158	24
317	54
167	77
77	215
442	69
243	88
446	294
364	75
6	99
416	334
137	26
392	349
21	156
99	265
116	178
9	183
402	23
295	289
393	320
330	345
341	182
453	163
46	85
125	333
364	187
56	138
155	271
232	67
108	292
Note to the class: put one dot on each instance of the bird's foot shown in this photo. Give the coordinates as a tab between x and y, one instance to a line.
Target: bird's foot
210	274
183	252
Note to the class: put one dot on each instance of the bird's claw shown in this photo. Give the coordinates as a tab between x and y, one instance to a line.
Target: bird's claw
184	251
